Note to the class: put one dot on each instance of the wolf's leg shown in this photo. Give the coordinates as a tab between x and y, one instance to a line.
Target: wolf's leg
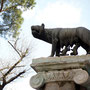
58	52
54	47
58	49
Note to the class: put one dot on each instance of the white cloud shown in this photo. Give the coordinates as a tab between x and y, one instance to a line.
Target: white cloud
54	14
59	14
28	14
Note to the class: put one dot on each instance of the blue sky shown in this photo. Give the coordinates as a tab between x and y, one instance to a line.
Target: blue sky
53	13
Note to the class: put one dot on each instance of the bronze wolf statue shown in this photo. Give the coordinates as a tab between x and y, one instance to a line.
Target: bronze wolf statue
60	37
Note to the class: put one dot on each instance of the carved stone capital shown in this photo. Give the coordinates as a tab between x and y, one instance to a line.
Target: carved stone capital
78	76
81	77
61	69
37	81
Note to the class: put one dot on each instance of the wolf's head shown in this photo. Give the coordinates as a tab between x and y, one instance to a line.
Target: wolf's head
37	30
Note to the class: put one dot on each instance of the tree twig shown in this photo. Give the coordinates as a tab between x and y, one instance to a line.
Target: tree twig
12	67
1	5
13	78
9	67
15	49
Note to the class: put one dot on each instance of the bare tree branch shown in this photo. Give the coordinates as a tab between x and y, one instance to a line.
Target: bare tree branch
9	67
16	42
1	5
21	58
13	67
15	49
4	81
13	78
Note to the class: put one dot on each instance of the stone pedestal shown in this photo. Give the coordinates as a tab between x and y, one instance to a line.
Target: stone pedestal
61	73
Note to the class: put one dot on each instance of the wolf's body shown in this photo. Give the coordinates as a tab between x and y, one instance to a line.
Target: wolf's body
60	37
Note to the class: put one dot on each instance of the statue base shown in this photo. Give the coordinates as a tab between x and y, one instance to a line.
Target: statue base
61	73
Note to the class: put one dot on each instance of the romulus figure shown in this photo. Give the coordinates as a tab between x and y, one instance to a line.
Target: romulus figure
60	37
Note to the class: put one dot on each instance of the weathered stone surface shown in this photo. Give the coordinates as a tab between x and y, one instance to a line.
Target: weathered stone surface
77	76
64	70
37	81
81	77
60	86
60	63
62	75
52	86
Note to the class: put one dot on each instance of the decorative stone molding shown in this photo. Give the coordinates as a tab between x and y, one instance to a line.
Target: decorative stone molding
81	77
60	63
62	75
37	81
61	69
78	76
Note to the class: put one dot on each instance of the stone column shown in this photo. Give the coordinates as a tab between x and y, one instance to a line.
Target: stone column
61	73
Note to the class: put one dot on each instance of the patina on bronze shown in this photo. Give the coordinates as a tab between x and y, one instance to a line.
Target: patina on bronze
60	37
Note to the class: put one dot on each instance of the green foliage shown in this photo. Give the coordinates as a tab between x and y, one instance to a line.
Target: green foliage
11	15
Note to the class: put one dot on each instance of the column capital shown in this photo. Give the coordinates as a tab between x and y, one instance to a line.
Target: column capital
61	69
78	76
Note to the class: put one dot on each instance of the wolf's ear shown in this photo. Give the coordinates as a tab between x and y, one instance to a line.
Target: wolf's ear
43	26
